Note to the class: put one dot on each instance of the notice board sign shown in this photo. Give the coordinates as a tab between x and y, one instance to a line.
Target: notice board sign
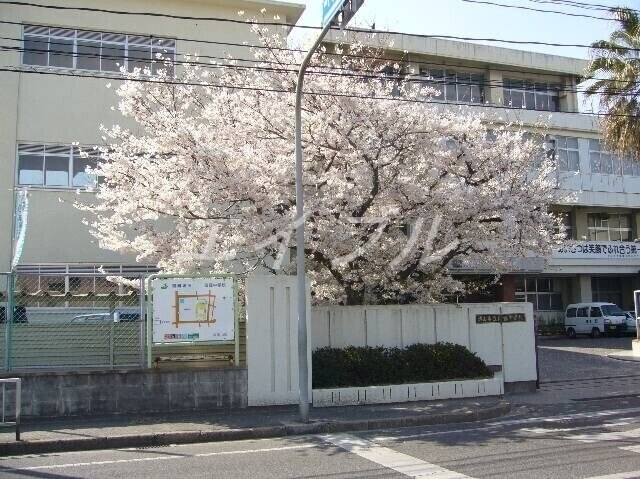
500	318
193	309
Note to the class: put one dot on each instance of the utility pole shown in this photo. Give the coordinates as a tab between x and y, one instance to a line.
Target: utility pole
334	12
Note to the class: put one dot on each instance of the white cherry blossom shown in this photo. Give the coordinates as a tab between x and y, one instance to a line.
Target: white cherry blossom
395	187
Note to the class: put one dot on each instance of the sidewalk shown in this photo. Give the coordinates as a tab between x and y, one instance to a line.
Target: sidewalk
626	355
72	434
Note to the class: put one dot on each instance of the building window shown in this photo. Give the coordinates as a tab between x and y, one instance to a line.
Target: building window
606	290
452	86
96	51
630	167
602	161
540	292
605	162
609	227
392	78
55	166
566	224
566	152
544	142
531	95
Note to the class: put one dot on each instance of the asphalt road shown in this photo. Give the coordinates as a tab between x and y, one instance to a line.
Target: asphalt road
563	359
602	443
589	427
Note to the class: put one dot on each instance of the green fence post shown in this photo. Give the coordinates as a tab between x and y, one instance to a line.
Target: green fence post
236	323
149	319
111	345
143	313
9	322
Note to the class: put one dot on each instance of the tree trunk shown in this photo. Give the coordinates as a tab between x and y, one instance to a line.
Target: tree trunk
353	296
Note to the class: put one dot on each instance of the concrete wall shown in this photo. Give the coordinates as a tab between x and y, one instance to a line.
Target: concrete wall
432	391
510	345
272	340
120	392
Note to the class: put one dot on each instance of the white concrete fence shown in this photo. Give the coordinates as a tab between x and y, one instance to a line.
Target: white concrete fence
509	345
272	341
272	335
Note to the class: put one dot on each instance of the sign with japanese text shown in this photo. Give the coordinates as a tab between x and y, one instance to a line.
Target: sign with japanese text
339	12
598	250
329	10
500	318
193	309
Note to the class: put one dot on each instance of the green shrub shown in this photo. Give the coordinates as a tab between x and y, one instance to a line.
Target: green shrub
551	327
368	366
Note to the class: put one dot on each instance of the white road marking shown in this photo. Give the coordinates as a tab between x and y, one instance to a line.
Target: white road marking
432	433
163	458
582	415
606	436
433	471
635	449
402	463
545	430
613	436
516	422
620	475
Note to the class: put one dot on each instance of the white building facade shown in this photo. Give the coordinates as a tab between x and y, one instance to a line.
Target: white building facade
56	61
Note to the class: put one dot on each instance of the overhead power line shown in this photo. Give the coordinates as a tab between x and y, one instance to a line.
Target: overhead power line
317	70
283	24
149	14
196	61
295	50
583	5
589	7
282	90
407	55
532	9
181	39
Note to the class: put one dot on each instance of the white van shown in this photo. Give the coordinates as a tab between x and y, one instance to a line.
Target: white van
594	319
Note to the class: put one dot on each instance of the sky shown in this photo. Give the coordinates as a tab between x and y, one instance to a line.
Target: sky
460	18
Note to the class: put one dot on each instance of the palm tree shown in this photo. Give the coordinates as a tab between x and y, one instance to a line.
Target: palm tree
616	65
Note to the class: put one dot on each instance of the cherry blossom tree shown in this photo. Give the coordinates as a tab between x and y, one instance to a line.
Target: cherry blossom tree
395	187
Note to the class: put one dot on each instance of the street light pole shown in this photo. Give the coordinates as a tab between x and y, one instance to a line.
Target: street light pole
303	365
334	12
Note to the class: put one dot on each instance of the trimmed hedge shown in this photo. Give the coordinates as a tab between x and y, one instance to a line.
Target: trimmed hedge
418	363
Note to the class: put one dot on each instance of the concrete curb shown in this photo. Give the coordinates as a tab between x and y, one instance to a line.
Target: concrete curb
626	356
187	437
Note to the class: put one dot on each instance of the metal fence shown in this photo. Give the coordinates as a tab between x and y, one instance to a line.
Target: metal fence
55	322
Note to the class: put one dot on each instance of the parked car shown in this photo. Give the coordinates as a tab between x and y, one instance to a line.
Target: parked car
126	315
631	321
594	319
120	315
92	318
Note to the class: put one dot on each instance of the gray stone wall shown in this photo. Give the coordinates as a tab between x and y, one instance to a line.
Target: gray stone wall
520	387
122	392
